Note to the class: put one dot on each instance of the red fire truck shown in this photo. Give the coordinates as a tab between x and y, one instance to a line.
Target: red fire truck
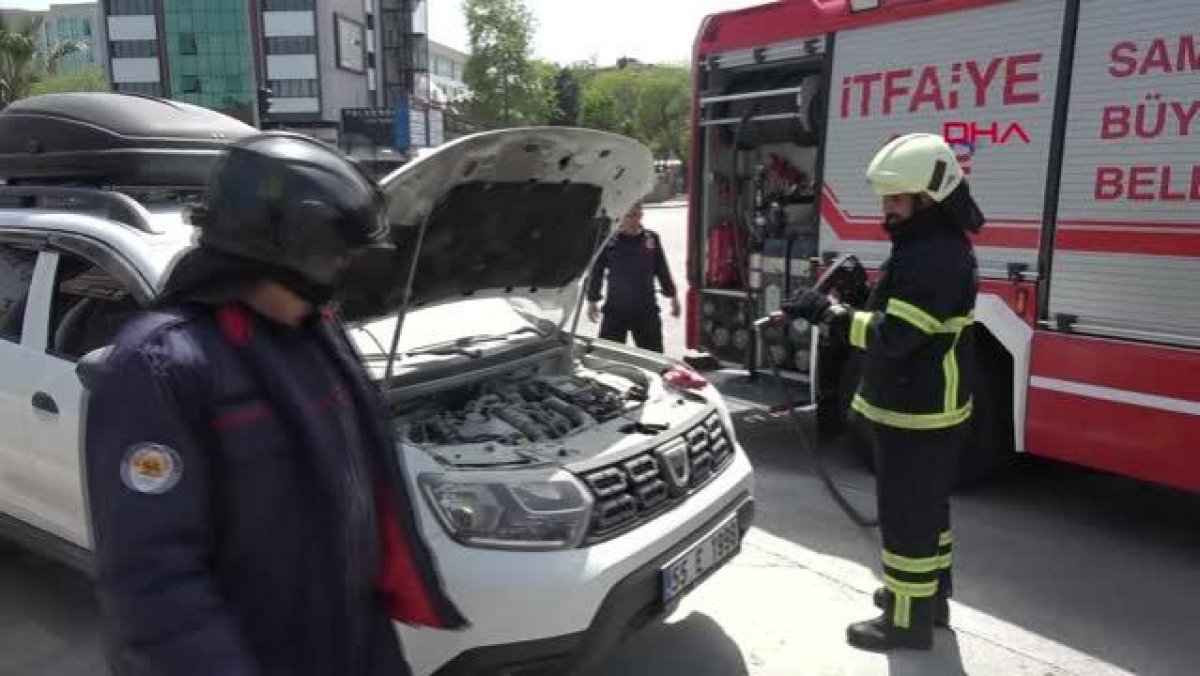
1079	126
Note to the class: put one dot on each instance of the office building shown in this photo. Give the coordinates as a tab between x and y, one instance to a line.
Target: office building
316	56
63	22
447	73
78	22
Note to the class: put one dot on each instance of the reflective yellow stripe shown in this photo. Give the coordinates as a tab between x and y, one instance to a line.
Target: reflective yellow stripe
945	561
912	421
902	611
946	538
910	565
913	315
921	590
957	324
950	372
924	321
951	413
858	329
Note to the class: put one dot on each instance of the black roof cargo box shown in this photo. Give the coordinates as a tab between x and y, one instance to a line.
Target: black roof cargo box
113	139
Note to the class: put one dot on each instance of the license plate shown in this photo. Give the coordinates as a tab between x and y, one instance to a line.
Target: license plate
682	573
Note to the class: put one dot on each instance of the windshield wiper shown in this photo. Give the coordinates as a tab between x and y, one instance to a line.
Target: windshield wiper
461	346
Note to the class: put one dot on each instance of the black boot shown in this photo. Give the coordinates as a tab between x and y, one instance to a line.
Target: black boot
941	606
882	635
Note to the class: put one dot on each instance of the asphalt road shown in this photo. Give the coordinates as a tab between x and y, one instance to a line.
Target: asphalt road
1059	571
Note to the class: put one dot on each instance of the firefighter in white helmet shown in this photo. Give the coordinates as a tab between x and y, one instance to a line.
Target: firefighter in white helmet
915	392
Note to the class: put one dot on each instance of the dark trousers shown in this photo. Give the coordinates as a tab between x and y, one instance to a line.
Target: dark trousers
644	324
914	474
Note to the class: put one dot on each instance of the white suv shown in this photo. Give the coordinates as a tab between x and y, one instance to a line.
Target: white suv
571	489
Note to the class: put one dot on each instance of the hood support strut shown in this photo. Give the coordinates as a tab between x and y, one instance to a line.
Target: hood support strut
408	288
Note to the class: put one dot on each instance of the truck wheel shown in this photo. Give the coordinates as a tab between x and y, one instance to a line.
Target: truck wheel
990	449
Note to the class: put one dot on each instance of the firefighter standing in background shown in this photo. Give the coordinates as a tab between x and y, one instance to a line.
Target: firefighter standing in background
634	258
913	391
250	517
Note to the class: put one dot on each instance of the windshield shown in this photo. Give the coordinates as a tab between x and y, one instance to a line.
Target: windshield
476	317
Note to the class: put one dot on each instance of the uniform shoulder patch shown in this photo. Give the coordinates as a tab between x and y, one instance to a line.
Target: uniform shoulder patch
151	468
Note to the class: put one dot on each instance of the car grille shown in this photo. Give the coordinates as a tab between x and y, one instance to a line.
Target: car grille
640	488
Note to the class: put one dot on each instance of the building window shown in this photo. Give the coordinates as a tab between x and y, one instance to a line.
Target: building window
294	89
133	49
304	44
144	88
287	5
209	55
187	44
130	7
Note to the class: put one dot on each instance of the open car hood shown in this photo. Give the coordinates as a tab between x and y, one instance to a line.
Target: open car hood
519	213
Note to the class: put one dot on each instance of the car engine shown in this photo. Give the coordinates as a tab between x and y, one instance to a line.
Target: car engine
516	411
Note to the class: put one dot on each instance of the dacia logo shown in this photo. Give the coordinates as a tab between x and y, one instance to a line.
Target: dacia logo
676	465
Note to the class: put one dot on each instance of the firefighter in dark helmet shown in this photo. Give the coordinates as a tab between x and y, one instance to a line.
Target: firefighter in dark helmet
915	392
250	516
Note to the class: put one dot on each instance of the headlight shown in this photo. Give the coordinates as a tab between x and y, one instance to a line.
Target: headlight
515	510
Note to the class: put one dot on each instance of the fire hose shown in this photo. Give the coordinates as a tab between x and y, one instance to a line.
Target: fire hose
847	270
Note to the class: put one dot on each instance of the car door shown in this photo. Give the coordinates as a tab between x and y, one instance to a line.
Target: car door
85	306
20	361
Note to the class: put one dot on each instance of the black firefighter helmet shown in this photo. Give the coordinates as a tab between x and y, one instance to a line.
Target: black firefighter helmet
294	205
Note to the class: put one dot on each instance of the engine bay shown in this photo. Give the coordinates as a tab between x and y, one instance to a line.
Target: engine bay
543	413
520	411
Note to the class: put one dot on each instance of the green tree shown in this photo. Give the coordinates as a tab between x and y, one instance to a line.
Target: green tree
649	103
599	111
544	104
664	108
23	62
508	88
610	102
86	79
567	94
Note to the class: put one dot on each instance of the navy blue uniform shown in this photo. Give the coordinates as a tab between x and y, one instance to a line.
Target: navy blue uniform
250	516
633	262
917	393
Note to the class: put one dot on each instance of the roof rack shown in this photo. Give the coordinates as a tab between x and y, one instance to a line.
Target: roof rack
117	206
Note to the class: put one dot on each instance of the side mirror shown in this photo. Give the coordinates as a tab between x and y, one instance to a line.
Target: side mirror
90	365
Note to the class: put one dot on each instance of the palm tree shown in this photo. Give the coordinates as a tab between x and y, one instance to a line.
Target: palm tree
22	63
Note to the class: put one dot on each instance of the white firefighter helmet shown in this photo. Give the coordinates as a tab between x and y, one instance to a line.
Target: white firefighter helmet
915	163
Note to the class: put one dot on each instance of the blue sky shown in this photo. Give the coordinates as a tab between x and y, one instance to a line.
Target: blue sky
575	30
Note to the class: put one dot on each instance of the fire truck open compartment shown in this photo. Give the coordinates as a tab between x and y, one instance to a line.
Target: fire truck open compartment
761	122
1073	122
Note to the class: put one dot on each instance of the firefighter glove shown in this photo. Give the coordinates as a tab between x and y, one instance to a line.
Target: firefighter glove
810	305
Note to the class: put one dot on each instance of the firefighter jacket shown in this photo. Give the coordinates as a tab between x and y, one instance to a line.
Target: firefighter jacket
633	262
250	515
914	329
